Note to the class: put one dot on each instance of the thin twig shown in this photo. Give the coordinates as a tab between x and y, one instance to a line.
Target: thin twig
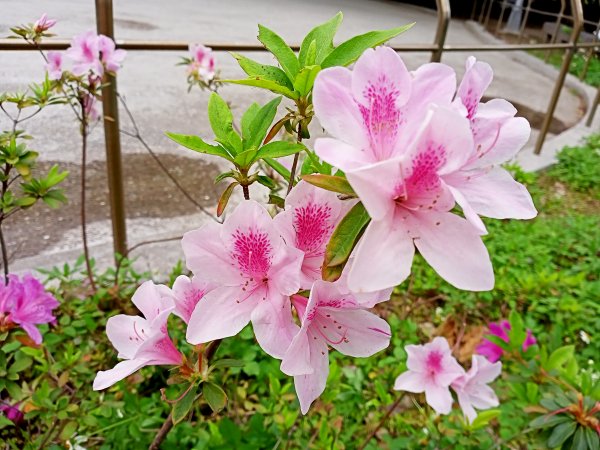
295	163
86	253
4	255
382	421
137	135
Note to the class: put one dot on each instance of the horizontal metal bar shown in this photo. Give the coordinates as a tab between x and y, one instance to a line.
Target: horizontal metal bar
16	45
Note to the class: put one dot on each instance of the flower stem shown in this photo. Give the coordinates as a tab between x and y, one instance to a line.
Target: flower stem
382	421
86	253
4	254
295	163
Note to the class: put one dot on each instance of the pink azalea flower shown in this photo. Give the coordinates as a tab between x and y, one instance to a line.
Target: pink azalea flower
43	24
329	318
141	341
12	412
256	272
431	369
472	388
396	136
54	65
411	206
494	352
187	293
374	111
481	187
311	214
110	57
84	52
203	62
26	303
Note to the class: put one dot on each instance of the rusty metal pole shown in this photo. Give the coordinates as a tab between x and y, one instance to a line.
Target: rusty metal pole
110	113
501	18
559	19
474	10
489	12
564	69
593	110
524	23
443	16
482	12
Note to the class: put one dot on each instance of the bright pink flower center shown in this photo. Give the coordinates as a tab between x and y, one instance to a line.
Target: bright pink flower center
381	117
471	103
434	362
252	252
313	227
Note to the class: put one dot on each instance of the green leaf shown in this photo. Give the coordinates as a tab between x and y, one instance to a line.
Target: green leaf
497	340
311	54
20	364
278	167
245	159
592	439
559	357
330	183
345	236
221	122
263	83
484	418
261	123
561	433
517	333
198	145
282	52
305	79
184	405
228	362
279	149
265	71
222	176
579	441
247	119
214	396
322	35
548	420
349	51
224	199
267	182
5	422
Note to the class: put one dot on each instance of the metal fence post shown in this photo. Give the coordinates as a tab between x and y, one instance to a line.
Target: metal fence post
110	107
564	69
593	110
443	16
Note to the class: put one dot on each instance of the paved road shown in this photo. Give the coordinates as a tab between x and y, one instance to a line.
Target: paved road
156	88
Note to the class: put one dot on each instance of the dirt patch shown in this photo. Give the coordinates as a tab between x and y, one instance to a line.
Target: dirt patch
148	192
135	24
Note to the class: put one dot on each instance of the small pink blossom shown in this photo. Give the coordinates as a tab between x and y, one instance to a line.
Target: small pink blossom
43	24
311	214
494	352
202	64
90	108
187	292
111	58
256	272
84	52
431	369
481	187
11	412
472	388
54	65
333	318
141	341
26	303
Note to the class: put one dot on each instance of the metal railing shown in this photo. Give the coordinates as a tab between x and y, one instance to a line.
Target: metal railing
105	25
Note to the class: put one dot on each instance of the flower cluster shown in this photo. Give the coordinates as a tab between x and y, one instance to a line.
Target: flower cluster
433	370
412	146
494	352
201	67
91	56
25	303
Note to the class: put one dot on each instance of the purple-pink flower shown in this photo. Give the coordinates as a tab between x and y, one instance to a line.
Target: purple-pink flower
202	65
25	302
54	65
109	55
494	352
92	53
431	369
141	341
256	272
472	388
311	214
330	317
12	412
43	24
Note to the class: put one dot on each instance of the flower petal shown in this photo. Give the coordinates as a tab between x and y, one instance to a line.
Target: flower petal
127	333
296	360
106	378
340	154
152	299
454	249
274	325
309	387
222	313
410	381
383	257
367	333
439	398
465	404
